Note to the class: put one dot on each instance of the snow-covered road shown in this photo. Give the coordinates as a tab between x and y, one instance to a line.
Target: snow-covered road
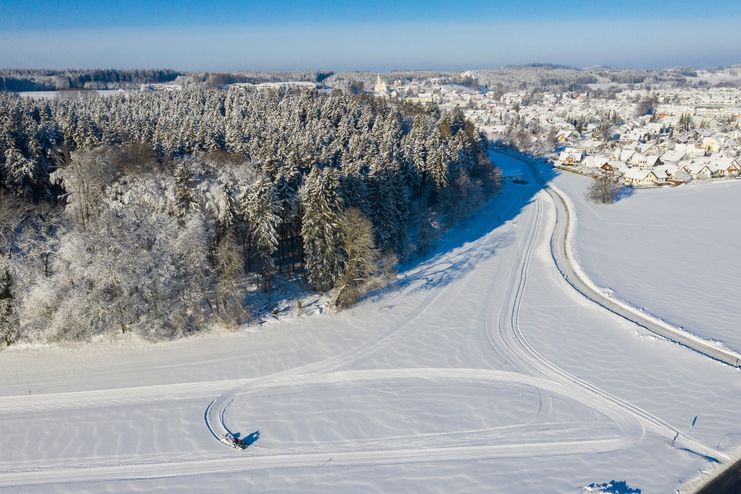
448	381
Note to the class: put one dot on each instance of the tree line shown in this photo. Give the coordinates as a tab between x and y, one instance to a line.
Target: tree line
56	80
164	213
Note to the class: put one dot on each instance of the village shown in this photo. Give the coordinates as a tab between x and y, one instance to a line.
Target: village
665	131
643	135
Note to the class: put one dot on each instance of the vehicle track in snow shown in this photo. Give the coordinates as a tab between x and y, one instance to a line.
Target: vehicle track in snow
403	449
561	248
541	364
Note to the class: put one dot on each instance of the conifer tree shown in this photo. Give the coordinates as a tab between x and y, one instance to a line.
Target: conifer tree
185	198
261	209
21	173
8	312
320	229
382	205
437	160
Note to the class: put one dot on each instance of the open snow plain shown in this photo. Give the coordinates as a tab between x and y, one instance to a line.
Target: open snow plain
480	370
671	251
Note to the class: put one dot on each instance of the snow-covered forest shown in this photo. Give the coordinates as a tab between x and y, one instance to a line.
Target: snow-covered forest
56	80
162	213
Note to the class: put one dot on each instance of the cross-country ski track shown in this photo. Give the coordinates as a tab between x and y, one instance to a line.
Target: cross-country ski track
381	400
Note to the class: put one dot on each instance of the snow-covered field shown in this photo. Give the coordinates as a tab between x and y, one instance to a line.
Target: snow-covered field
671	251
480	370
730	74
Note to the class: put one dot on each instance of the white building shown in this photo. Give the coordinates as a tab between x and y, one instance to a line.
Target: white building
638	177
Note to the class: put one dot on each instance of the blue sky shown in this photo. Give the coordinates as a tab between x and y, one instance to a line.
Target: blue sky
373	35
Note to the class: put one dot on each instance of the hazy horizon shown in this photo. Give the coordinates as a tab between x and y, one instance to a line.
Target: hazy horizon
322	35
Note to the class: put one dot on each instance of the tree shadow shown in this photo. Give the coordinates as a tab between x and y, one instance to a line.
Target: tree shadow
463	247
708	458
285	291
613	487
624	192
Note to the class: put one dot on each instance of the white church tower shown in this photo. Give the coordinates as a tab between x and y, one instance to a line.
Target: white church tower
381	88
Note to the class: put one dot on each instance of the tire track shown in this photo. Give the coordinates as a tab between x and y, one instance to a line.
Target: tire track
517	343
405	449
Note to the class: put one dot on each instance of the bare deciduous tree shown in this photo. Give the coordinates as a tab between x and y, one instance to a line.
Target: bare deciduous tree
360	257
229	262
85	179
604	189
646	106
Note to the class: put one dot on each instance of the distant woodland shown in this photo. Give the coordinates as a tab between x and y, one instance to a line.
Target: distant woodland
61	80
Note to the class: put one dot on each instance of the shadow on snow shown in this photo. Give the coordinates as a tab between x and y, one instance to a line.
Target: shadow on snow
247	440
613	487
465	246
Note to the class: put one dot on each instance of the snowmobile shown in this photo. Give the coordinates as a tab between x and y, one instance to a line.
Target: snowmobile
230	440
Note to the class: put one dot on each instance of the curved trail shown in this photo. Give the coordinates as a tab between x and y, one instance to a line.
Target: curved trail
402	450
512	336
561	251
